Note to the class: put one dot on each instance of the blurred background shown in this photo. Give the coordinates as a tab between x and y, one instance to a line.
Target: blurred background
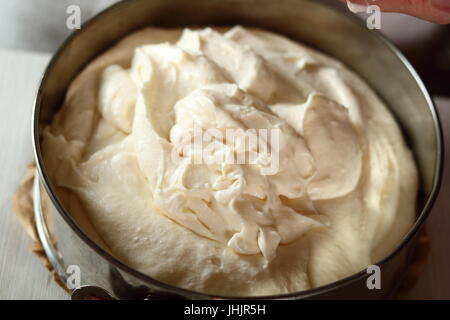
425	44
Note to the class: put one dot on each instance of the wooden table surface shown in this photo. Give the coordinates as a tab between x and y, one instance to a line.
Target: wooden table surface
22	276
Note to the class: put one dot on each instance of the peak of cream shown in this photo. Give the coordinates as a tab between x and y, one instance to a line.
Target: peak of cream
341	196
211	80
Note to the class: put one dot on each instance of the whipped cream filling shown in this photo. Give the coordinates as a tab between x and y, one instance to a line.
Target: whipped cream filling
339	193
209	80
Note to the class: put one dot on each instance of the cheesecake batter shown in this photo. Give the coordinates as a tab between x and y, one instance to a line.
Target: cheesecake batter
339	195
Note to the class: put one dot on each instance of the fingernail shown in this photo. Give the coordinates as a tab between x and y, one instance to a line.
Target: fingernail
357	6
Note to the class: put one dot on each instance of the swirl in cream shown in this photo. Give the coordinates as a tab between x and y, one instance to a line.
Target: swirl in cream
343	168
